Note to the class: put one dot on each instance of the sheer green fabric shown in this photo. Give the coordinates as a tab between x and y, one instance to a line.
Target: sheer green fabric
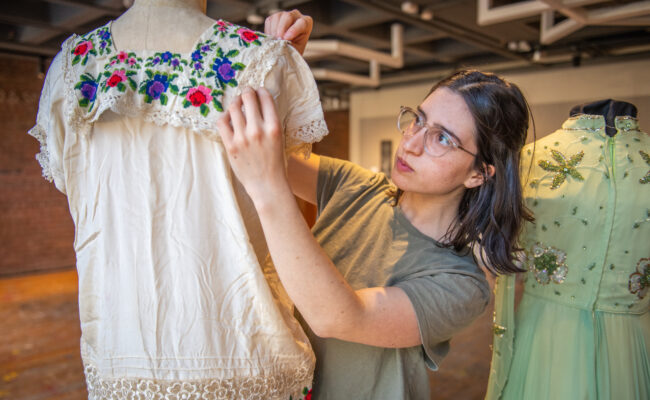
582	329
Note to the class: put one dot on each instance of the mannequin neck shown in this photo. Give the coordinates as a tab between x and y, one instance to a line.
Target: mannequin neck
156	25
198	5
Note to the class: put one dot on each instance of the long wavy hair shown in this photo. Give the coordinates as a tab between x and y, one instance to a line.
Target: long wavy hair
492	214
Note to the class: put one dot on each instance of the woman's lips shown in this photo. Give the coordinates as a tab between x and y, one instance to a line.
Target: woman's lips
402	166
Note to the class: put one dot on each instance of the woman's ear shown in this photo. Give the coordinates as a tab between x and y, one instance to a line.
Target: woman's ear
478	177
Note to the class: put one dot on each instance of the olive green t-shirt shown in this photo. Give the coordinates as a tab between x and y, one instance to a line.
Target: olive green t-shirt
373	244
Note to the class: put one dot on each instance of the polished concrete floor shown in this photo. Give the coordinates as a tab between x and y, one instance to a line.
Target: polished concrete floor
39	344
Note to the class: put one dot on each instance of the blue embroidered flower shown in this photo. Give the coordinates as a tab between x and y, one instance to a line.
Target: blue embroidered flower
88	90
205	48
175	62
197	56
198	66
166	56
157	86
223	68
104	34
156	60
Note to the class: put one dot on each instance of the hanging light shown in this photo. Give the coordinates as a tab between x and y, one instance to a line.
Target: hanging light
427	14
409	7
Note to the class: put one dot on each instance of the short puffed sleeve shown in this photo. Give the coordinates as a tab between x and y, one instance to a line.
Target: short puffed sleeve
50	124
288	78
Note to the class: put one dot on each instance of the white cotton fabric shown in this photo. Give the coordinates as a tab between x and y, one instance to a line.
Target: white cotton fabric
177	295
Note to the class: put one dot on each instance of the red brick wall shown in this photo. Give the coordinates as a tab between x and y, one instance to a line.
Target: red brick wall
36	231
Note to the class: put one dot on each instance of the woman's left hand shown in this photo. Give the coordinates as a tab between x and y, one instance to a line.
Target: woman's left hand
252	138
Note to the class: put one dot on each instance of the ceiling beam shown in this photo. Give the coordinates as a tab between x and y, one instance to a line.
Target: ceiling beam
455	31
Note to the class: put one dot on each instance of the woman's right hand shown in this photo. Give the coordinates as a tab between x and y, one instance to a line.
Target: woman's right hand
290	25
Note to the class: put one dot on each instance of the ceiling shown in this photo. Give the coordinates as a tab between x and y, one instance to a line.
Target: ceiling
489	34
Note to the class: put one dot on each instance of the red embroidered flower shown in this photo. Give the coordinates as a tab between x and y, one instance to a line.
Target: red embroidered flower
199	95
83	48
308	395
247	35
122	56
131	61
222	26
117	77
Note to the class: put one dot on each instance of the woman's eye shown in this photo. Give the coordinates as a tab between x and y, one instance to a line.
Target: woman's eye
443	139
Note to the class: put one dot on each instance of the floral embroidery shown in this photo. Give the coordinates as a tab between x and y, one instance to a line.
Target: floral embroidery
640	280
155	88
498	330
82	51
247	37
200	95
221	27
119	79
124	70
563	167
306	392
646	158
87	86
105	40
547	264
224	70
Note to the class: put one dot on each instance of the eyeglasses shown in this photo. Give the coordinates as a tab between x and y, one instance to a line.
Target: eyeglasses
437	141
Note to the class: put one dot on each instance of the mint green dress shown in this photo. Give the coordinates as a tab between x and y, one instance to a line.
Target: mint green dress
582	328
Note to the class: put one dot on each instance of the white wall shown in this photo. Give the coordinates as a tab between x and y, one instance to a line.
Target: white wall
551	94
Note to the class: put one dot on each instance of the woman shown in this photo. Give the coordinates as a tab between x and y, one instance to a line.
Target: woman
387	276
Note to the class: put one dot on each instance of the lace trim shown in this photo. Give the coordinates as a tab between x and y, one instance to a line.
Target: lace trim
300	141
276	387
44	156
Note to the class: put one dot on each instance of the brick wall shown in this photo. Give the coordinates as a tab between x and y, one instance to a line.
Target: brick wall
36	231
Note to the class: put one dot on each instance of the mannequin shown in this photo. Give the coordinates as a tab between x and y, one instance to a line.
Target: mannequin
582	328
177	295
154	25
609	109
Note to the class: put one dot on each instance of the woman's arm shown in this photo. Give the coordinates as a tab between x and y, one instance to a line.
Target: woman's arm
303	176
375	316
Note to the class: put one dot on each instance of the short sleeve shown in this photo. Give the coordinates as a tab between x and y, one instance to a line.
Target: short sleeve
336	175
294	89
49	128
444	303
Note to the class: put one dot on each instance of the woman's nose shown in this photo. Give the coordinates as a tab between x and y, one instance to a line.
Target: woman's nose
414	143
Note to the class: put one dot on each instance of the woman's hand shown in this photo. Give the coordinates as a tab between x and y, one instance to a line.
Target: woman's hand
290	25
252	138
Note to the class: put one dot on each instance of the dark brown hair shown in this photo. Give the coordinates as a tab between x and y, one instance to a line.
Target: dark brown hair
493	213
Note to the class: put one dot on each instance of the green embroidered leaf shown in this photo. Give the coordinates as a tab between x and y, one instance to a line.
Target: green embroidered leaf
204	110
132	84
83	102
576	158
217	104
193	81
558	157
219	52
547	166
558	180
232	53
163	99
186	103
209	74
238	66
149	73
107	74
574	173
121	87
232	83
173	89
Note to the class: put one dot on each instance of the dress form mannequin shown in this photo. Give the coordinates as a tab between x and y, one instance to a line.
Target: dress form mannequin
609	109
177	298
154	25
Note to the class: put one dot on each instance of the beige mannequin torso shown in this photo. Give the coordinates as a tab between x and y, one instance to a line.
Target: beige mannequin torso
164	25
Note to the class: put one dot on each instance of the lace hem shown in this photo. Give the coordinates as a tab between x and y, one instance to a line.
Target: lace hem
300	140
44	156
276	387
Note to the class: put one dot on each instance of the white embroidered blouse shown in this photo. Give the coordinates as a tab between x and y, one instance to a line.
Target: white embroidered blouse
177	296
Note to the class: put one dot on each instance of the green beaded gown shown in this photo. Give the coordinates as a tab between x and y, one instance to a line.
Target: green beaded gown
582	328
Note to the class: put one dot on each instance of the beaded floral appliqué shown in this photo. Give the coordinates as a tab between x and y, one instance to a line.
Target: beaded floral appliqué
563	168
157	78
640	280
646	158
547	264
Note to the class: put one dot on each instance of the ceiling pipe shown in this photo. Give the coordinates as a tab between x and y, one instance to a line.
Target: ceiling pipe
325	48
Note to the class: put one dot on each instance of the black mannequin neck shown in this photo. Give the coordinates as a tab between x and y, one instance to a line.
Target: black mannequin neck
610	109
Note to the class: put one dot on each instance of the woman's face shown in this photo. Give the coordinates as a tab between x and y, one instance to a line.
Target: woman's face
447	175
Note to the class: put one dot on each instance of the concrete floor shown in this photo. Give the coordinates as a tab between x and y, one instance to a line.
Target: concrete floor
39	344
